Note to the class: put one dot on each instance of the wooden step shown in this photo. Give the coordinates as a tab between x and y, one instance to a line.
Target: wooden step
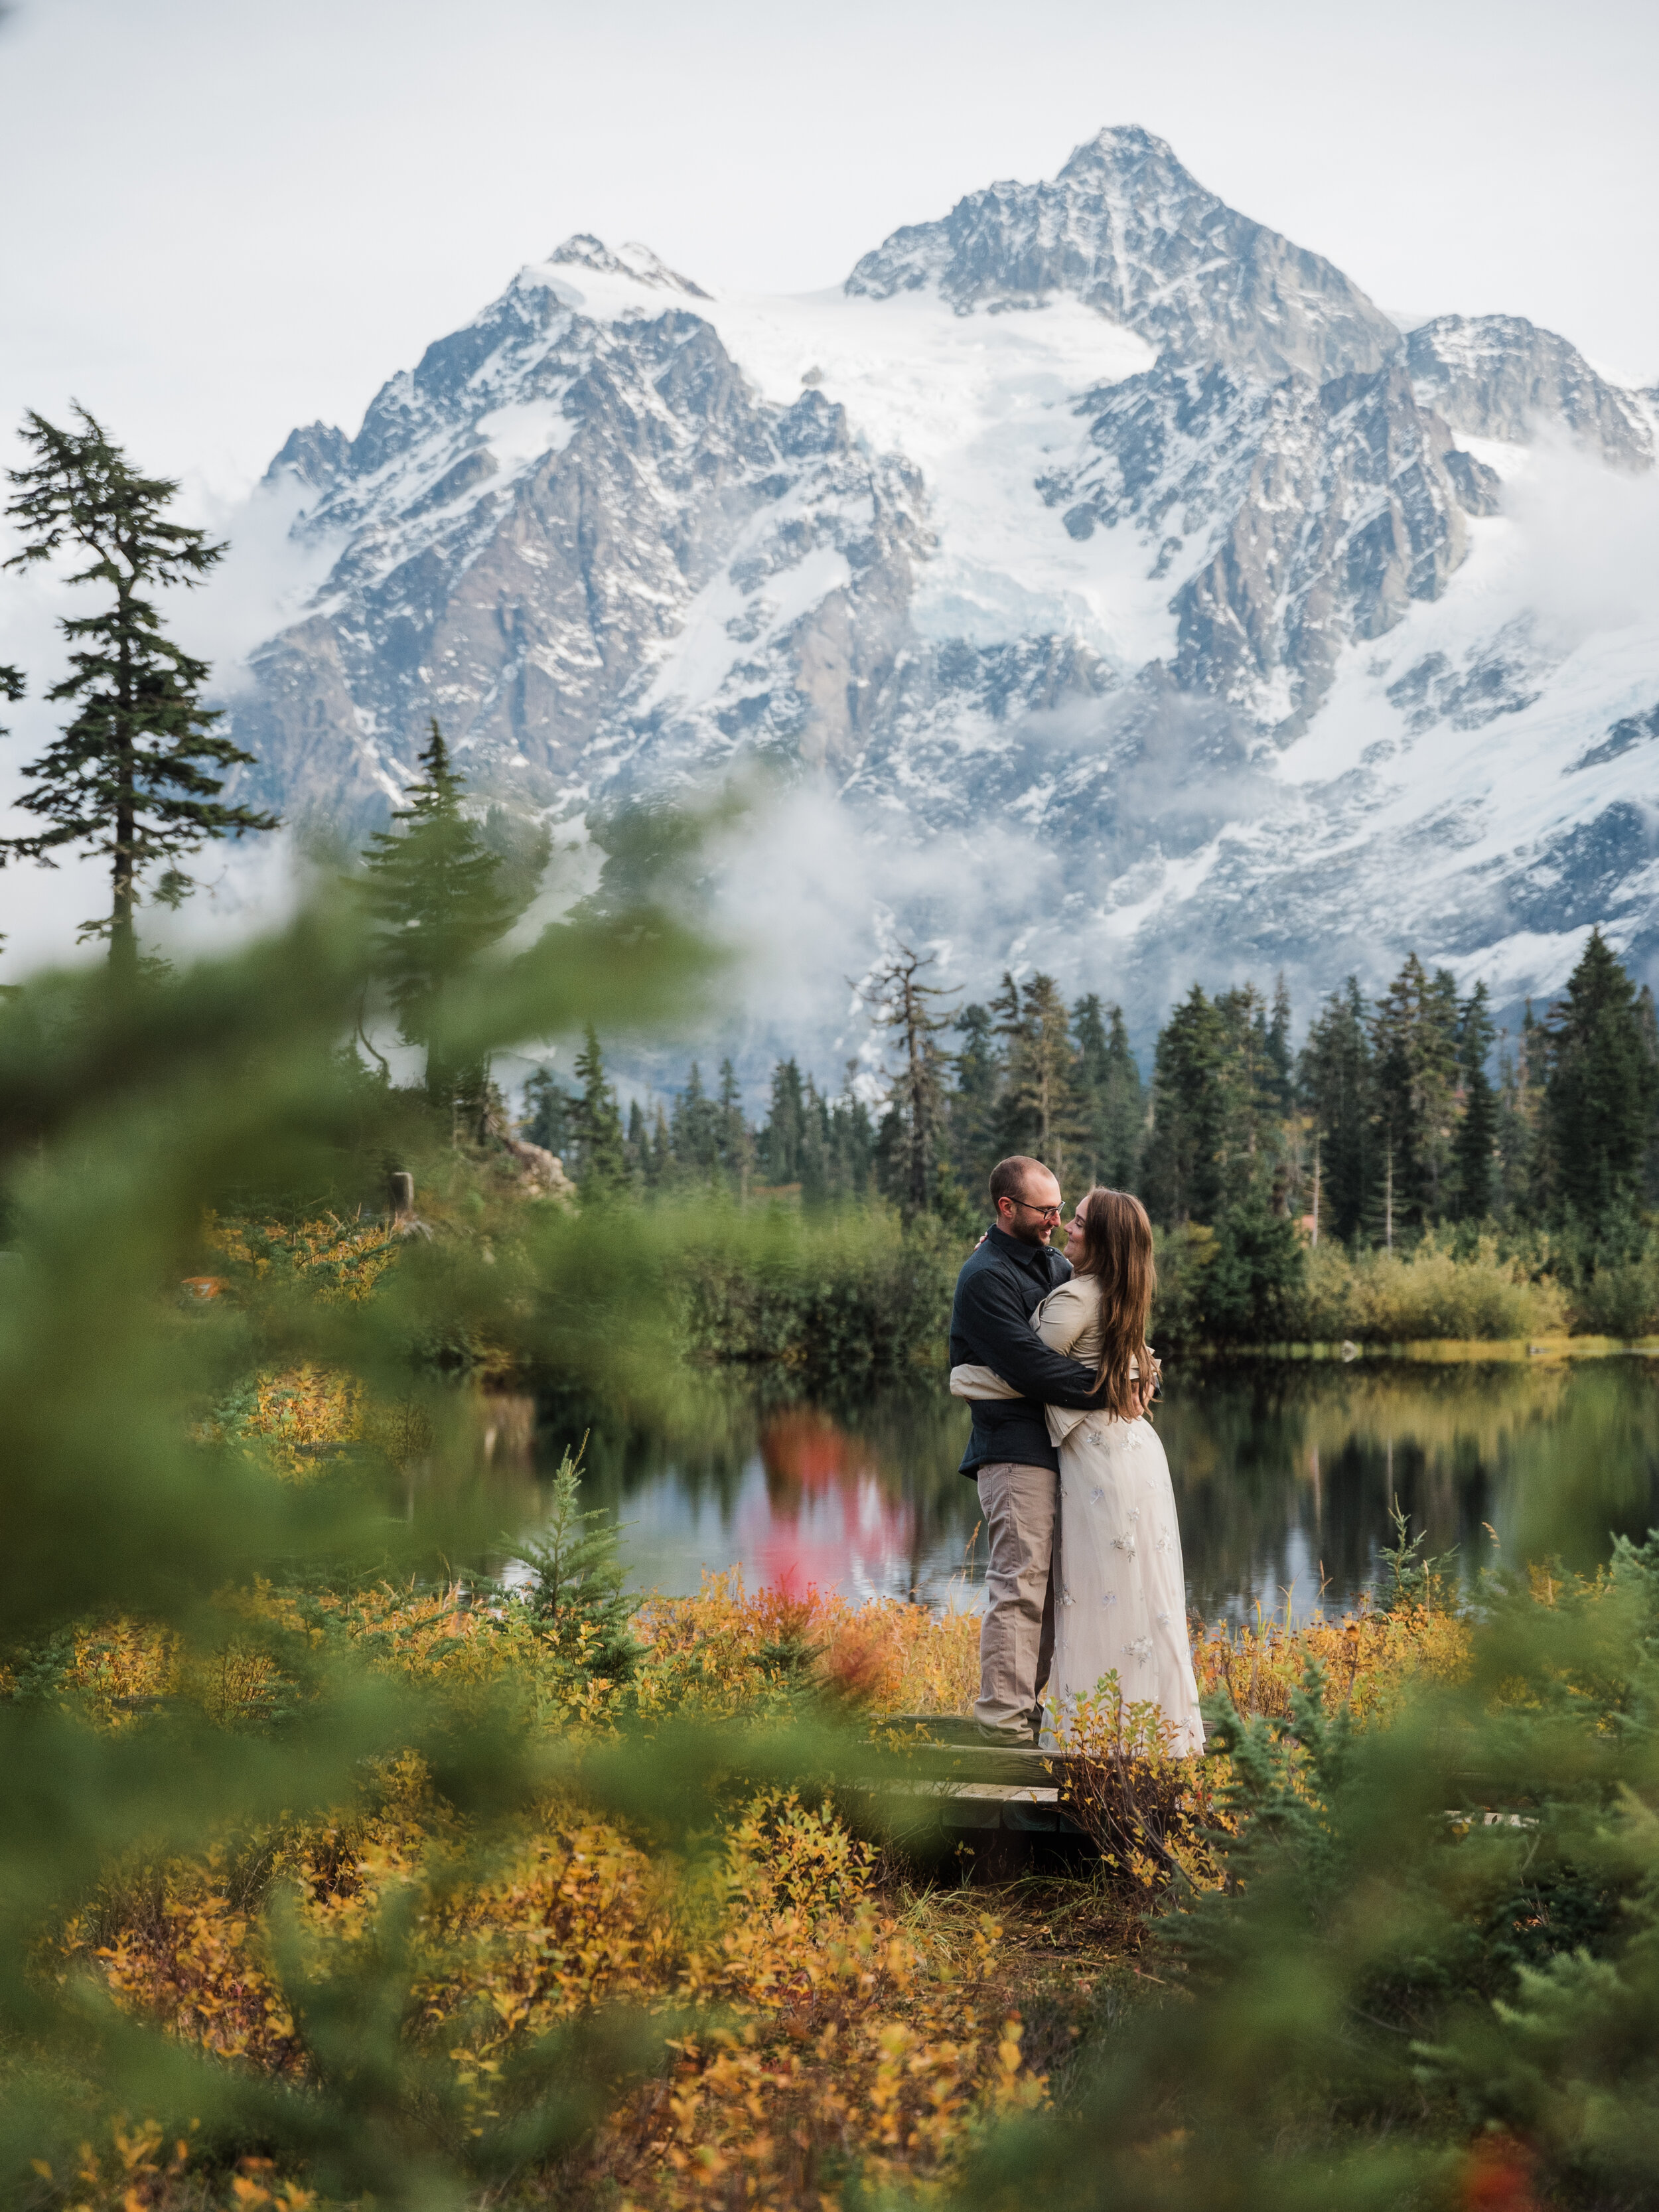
970	1805
948	1748
937	1727
965	1763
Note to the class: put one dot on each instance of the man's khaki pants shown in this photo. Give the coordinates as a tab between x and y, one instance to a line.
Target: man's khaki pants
1017	1638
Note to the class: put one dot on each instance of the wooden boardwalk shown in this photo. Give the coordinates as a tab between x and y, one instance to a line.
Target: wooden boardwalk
937	1777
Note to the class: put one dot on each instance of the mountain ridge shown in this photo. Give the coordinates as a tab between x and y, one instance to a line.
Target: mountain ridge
1092	507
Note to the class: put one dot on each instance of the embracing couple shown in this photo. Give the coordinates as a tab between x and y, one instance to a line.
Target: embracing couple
1085	1576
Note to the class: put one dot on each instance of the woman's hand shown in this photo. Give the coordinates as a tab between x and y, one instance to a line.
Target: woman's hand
1151	1369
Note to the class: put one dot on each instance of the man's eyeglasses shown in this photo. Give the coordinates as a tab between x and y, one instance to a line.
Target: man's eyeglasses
1042	1213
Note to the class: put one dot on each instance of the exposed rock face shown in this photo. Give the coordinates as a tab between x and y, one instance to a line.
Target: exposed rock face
313	456
1128	229
1187	575
1322	510
526	516
584	250
1500	376
1634	730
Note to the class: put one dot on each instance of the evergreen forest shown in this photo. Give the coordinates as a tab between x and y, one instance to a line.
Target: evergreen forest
1401	1125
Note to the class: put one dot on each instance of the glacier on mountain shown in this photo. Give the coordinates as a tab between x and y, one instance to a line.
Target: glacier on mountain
1111	583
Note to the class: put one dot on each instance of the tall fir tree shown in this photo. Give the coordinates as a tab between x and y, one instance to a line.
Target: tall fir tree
695	1125
1043	1111
1114	1098
1088	1032
1181	1174
973	1101
1335	1079
435	895
735	1145
547	1111
602	1152
814	1162
636	1146
1600	1091
1475	1143
1520	1120
1414	1047
1281	1058
904	1005
783	1139
135	776
1250	1152
1124	1129
1647	1016
12	688
1008	1027
659	1172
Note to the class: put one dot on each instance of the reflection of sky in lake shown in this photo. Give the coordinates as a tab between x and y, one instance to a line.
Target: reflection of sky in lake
1283	1474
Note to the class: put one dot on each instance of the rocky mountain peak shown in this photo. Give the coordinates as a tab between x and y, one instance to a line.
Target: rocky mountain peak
1127	228
1127	151
313	454
583	251
1143	531
1500	376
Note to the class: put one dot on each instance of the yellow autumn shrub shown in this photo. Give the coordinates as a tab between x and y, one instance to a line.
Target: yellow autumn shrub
811	2031
337	1261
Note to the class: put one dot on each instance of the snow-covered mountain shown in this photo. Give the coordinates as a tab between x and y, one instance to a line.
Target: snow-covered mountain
1109	584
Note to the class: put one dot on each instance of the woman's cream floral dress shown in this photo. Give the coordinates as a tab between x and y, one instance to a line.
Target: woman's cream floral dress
1120	1595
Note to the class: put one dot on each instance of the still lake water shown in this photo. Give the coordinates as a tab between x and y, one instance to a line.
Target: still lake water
1283	1474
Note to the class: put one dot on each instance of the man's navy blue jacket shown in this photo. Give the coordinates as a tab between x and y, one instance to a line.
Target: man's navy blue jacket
999	1289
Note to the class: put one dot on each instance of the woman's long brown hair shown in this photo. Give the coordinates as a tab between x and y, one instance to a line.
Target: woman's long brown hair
1117	1251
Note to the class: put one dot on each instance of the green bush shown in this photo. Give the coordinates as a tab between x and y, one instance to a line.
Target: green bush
1621	1299
1424	1971
1183	1257
1250	1280
1610	1273
1253	1287
840	1297
1393	1297
133	1116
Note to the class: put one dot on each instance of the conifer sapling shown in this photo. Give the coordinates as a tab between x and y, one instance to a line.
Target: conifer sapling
437	895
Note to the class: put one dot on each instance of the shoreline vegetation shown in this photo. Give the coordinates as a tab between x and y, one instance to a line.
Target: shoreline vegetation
860	1291
1448	1351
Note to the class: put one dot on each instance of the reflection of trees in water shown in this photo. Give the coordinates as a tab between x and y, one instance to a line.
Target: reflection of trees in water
702	1439
909	1440
1567	1492
1554	1456
1277	1465
1234	1436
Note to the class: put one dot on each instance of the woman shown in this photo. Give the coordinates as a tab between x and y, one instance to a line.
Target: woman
1121	1600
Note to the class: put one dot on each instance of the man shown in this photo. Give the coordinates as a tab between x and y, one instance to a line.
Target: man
1009	1454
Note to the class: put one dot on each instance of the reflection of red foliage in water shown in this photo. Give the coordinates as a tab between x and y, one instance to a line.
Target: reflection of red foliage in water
828	1522
804	1450
1499	2177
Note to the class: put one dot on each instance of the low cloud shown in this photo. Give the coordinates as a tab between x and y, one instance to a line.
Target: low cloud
1587	557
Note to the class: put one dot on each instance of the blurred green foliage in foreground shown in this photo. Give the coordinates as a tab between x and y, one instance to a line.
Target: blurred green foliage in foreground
130	1114
1409	1959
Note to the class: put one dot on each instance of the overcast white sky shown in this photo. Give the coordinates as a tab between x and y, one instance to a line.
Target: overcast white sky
224	218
